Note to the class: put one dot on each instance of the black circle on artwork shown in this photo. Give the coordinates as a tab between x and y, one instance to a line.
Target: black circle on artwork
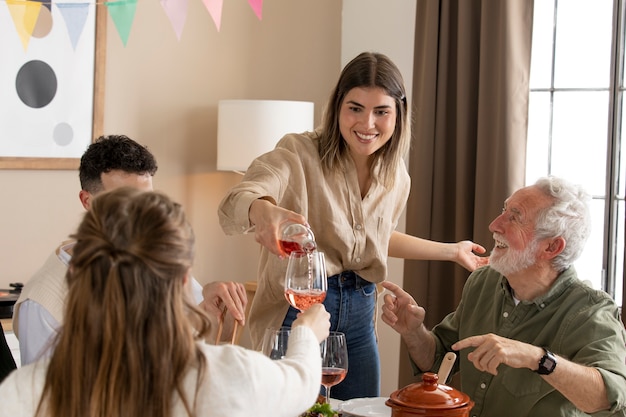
36	84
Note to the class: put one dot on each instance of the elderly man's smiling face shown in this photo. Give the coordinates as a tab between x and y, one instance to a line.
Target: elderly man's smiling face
514	231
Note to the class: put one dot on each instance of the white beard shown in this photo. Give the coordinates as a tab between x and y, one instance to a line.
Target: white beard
514	260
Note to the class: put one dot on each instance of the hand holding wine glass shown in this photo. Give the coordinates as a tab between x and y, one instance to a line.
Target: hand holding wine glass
334	361
317	319
305	279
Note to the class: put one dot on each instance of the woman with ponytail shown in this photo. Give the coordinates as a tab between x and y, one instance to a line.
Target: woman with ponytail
132	342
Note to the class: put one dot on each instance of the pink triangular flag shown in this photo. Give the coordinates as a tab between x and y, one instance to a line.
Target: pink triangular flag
257	6
176	11
215	10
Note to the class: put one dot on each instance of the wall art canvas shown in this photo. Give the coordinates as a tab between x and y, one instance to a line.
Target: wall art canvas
47	78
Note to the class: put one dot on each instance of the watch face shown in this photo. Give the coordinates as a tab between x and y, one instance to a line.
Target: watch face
547	364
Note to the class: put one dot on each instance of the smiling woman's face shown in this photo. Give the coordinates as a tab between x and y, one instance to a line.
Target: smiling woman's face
367	119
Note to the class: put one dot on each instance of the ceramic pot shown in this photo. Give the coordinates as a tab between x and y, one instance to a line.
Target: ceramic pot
429	399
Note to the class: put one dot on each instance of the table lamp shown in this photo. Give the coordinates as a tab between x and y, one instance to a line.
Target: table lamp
247	129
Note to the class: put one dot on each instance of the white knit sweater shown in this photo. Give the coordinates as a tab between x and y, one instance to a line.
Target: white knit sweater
238	382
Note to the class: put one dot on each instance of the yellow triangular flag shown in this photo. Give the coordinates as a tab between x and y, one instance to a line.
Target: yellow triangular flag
25	15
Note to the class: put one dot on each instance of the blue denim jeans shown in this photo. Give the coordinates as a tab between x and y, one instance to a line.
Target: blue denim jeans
351	302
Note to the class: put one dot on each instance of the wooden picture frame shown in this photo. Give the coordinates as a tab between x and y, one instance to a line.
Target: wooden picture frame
54	163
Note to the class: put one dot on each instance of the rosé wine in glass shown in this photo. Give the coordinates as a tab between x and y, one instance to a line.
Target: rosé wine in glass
305	279
334	351
333	376
302	300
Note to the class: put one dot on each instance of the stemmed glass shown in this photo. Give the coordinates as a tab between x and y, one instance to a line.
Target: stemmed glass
275	342
334	361
305	279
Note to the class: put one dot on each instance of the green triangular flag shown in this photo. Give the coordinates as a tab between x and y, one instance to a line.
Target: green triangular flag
123	14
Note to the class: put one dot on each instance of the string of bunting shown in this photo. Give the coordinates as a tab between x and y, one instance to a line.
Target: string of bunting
26	12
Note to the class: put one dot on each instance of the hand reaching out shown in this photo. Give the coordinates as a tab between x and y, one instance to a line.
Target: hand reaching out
466	255
220	294
400	311
492	350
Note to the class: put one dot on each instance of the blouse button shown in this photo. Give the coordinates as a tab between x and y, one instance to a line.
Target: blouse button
358	260
505	314
483	385
358	227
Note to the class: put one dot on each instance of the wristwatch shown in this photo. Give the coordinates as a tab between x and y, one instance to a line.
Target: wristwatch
547	363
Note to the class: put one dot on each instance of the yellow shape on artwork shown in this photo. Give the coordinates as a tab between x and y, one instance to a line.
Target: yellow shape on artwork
25	15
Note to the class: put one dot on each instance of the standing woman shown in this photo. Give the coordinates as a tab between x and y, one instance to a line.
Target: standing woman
131	342
348	181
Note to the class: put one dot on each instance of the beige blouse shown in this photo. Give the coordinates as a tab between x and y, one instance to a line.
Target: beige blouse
353	232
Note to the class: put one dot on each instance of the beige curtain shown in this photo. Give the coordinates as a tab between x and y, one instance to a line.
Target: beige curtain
471	71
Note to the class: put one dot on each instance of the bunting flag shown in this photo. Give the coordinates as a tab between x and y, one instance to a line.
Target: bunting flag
75	16
176	11
24	15
123	14
215	10
257	6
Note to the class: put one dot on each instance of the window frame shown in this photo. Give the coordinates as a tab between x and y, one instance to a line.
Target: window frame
614	141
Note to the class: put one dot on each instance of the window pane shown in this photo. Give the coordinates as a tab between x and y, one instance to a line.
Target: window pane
583	43
543	32
579	138
619	252
622	167
621	151
538	136
589	265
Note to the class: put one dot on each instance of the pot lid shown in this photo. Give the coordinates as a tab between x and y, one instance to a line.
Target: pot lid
429	395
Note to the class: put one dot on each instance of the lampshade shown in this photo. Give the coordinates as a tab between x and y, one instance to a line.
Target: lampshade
247	129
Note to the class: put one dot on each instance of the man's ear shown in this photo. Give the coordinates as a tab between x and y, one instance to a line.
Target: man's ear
85	198
555	247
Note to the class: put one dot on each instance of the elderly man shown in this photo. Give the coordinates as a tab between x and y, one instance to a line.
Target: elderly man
533	340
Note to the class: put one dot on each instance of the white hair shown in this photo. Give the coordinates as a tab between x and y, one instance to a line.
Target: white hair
567	217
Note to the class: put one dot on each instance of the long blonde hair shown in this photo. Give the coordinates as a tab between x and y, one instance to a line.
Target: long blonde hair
130	330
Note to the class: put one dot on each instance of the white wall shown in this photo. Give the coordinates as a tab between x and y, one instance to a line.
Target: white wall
387	27
164	92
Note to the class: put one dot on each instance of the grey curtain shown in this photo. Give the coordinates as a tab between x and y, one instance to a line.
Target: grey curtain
471	72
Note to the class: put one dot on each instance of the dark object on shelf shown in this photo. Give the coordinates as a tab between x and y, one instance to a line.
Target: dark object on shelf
7	363
8	298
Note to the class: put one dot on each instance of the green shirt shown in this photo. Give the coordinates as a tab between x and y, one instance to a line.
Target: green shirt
572	320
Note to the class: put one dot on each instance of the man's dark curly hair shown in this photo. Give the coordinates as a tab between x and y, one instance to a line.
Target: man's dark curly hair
113	152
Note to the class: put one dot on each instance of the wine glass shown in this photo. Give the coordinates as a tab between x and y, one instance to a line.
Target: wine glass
334	361
305	279
275	342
